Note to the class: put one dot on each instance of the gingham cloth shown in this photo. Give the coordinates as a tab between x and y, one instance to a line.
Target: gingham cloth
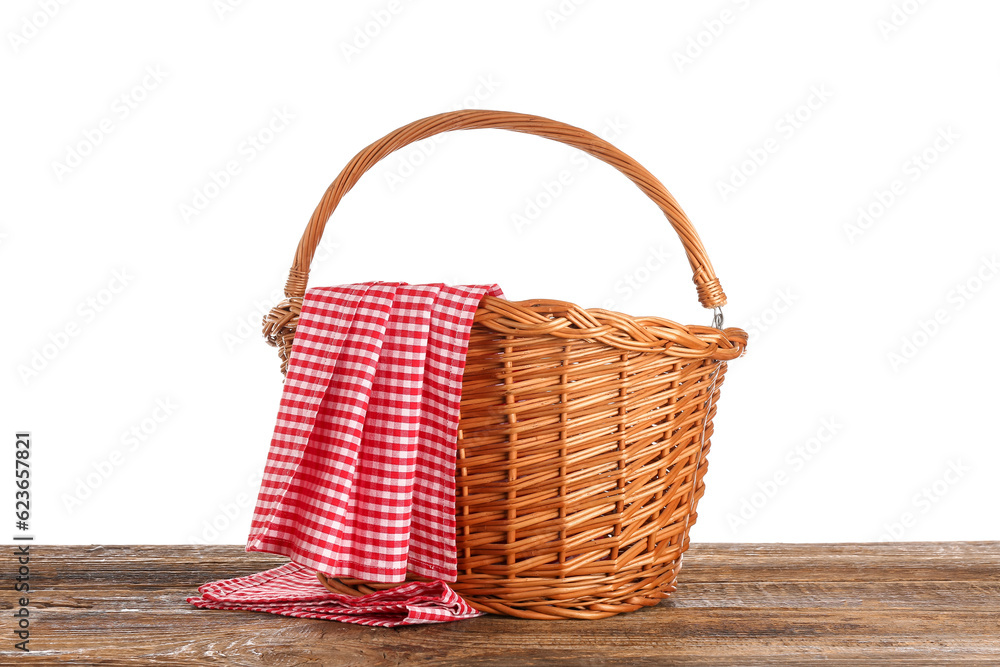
294	590
359	480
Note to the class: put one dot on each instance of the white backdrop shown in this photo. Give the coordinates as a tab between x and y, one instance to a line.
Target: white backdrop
839	161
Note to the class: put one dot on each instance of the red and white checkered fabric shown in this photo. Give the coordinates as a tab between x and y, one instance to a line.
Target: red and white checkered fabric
294	590
359	480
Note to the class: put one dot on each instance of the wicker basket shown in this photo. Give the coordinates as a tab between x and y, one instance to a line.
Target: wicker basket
583	434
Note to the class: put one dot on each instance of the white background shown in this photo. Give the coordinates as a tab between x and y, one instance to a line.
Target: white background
822	434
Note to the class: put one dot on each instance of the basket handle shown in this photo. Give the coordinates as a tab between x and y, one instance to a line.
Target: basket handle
710	292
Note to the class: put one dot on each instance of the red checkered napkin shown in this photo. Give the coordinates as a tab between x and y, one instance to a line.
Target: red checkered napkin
360	476
294	590
432	531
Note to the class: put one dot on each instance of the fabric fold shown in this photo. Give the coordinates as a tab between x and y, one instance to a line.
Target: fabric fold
432	536
294	590
374	538
306	488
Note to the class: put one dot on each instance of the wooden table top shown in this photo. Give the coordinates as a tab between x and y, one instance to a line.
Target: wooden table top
907	603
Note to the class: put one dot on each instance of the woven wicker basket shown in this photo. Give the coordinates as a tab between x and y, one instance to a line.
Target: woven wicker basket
584	433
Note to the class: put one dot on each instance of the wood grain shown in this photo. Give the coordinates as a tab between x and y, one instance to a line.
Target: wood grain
907	603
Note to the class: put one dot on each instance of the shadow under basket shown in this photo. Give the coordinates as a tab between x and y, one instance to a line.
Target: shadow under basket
584	434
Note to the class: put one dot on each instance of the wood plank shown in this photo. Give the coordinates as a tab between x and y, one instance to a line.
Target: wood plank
916	603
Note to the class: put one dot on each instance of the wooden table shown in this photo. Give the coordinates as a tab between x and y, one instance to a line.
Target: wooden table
914	603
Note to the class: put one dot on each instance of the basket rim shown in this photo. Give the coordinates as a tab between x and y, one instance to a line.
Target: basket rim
530	318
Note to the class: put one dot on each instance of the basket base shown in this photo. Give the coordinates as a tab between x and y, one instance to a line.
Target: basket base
584	605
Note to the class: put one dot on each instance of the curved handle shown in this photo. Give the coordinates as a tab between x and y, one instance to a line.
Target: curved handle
710	292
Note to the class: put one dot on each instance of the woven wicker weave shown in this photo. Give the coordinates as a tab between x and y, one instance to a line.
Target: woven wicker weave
584	433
